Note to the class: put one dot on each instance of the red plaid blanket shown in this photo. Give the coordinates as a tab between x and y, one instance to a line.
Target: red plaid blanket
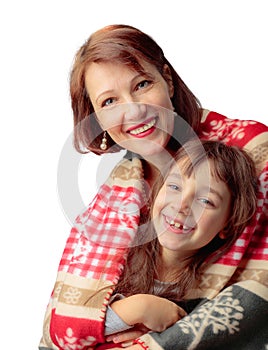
95	252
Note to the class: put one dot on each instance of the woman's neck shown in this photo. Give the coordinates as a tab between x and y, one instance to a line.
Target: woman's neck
156	165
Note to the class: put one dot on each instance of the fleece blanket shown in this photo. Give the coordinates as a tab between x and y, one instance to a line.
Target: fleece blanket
229	310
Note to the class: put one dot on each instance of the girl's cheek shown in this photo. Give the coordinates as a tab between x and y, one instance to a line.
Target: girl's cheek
159	204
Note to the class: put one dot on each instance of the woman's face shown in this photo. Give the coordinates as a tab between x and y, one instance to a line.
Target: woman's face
189	212
134	109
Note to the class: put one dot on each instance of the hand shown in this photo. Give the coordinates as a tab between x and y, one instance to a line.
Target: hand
125	338
155	313
132	347
126	345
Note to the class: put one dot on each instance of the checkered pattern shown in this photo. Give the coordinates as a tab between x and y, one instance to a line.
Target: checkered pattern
102	233
97	246
253	243
238	133
109	225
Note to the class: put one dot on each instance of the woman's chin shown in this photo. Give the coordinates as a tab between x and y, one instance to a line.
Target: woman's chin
145	150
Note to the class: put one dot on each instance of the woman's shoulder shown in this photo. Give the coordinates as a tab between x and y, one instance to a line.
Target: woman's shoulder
208	115
128	168
216	126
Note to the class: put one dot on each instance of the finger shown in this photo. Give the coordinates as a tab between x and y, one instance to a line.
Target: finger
135	332
126	336
182	313
127	344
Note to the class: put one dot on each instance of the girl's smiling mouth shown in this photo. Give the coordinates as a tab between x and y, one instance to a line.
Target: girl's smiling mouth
177	226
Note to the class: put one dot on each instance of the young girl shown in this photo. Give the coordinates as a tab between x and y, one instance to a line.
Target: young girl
207	197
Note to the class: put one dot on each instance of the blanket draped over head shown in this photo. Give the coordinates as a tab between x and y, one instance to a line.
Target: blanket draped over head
232	312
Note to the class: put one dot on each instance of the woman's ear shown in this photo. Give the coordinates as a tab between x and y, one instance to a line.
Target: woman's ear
168	78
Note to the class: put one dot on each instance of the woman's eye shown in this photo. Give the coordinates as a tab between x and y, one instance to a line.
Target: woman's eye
107	102
143	84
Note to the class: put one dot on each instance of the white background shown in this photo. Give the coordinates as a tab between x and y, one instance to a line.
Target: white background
218	47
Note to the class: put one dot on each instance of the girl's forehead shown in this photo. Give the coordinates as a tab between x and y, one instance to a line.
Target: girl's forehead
185	166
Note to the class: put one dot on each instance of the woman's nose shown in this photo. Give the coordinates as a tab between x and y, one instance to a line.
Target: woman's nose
134	111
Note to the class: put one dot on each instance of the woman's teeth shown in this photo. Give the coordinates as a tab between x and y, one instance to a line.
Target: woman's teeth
143	128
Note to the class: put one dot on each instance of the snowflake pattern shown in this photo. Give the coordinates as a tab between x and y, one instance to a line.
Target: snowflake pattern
260	153
225	306
57	290
227	130
72	295
70	342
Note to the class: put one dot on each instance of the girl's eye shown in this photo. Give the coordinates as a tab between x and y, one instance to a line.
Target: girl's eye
206	201
143	84
108	102
174	187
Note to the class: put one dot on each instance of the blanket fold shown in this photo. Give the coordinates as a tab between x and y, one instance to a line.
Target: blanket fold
234	291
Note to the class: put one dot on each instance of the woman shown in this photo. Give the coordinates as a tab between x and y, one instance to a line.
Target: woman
125	94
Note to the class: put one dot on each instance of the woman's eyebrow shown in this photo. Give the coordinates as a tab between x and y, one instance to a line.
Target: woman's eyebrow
106	92
112	91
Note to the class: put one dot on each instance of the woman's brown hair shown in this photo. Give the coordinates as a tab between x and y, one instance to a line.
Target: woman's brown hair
130	46
233	166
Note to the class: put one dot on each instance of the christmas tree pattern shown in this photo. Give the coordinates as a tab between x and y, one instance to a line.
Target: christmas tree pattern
221	314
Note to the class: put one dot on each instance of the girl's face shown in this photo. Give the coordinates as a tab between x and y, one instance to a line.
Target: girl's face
189	212
134	109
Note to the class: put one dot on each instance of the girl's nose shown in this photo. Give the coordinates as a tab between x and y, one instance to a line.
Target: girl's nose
188	206
185	207
183	204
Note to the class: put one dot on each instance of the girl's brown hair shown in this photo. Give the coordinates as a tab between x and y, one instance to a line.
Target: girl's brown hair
233	166
129	46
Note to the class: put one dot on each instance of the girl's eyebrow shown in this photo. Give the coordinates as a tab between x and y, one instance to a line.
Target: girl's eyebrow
174	175
212	190
206	188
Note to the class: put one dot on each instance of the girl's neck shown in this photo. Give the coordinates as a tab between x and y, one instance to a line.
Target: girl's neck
170	266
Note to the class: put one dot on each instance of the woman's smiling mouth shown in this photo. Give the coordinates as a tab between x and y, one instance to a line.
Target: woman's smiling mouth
142	130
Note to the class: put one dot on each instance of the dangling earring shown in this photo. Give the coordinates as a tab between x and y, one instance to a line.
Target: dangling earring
103	145
223	233
174	111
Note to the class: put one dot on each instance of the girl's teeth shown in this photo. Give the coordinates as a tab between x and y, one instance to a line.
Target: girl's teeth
143	128
178	225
